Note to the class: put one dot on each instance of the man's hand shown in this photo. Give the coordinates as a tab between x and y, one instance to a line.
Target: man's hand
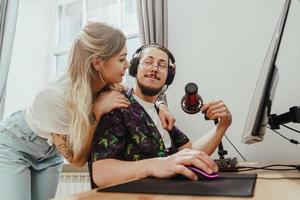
176	164
218	110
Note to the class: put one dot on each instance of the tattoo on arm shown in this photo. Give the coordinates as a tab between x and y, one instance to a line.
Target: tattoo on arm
65	148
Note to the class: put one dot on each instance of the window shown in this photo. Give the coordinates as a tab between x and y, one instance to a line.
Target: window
71	16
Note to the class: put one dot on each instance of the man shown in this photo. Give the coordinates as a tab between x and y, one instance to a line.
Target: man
130	143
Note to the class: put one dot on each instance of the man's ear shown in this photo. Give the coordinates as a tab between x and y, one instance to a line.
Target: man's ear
97	62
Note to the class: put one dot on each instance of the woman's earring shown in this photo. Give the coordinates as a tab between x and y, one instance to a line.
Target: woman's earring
100	76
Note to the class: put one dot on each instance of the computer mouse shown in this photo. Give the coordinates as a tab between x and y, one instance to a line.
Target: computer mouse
201	174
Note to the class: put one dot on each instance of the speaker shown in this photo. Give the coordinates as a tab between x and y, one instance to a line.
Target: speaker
135	60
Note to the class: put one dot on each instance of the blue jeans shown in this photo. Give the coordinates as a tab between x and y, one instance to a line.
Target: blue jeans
29	167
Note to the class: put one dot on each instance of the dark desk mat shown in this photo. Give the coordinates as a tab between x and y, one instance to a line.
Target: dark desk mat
234	185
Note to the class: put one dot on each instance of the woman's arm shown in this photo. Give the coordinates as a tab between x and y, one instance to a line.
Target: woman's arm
166	117
78	159
104	171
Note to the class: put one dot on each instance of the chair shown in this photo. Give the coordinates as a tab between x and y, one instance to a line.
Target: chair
93	184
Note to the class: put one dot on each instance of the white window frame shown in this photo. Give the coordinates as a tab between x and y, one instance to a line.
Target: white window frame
63	50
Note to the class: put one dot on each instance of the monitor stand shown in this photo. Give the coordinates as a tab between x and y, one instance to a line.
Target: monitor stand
292	116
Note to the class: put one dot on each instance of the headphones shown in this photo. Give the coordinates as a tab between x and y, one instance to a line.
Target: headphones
135	61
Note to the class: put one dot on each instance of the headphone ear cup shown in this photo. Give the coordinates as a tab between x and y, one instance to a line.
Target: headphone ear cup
171	75
133	66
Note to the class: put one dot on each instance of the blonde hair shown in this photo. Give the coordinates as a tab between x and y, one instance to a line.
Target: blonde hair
95	39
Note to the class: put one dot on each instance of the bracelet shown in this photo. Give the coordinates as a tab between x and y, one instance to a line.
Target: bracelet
157	106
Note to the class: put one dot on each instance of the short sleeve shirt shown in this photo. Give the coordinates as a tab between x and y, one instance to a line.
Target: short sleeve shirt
130	134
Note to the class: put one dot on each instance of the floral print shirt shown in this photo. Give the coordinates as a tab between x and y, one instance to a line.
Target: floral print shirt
130	134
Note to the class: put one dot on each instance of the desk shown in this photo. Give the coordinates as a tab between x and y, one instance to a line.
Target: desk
266	188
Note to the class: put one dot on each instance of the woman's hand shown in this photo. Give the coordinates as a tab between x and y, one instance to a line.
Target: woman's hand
107	101
176	164
218	110
166	118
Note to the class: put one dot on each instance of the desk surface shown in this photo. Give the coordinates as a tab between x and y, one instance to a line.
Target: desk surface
269	185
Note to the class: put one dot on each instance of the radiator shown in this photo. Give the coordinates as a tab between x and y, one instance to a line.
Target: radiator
72	182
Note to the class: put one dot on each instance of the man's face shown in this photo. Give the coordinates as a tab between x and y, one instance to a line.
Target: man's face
152	71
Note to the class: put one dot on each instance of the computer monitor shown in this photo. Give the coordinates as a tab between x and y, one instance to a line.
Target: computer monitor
260	108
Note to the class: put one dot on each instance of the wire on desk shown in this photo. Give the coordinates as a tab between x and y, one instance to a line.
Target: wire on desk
277	178
270	167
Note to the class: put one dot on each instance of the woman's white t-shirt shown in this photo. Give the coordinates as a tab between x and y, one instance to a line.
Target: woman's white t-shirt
48	113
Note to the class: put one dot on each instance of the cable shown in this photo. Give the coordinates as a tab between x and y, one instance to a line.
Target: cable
270	167
279	134
291	128
277	178
245	169
290	140
234	147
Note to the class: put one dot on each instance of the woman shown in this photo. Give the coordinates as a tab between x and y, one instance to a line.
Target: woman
60	122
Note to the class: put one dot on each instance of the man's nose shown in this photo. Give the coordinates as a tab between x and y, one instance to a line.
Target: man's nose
154	67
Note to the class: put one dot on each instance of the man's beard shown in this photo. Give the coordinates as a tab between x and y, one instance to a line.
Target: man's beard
148	91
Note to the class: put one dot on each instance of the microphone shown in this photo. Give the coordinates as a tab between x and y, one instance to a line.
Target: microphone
192	101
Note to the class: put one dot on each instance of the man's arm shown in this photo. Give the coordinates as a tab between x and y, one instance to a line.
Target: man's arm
210	141
104	171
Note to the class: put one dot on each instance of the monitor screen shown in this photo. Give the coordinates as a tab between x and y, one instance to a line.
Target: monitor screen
260	108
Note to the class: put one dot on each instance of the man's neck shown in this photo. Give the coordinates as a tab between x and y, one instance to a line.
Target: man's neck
139	94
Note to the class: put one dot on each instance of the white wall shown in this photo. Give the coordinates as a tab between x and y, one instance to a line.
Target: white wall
29	70
220	45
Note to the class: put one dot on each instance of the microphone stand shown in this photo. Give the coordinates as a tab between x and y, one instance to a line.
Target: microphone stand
221	151
225	164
